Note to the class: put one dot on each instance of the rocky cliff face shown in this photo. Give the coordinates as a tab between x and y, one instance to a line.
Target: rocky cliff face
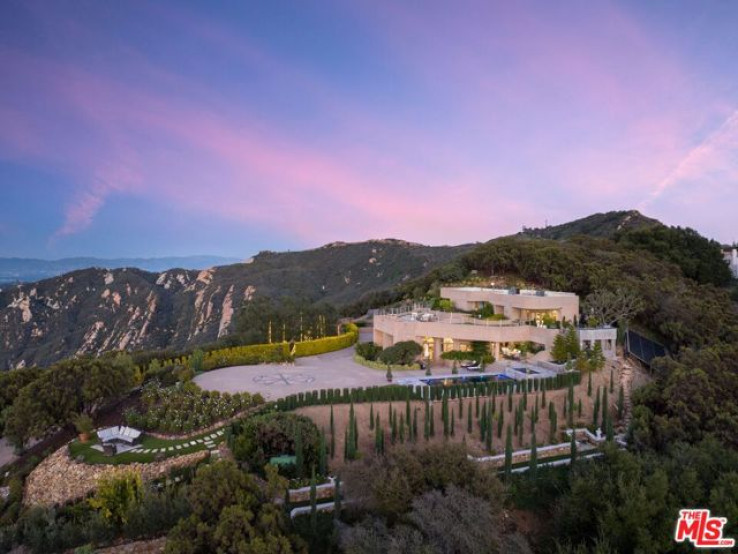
95	310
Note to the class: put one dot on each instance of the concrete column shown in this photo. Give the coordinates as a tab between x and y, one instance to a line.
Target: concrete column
497	351
437	348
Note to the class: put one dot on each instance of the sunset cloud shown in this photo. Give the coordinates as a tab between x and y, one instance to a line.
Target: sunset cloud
444	125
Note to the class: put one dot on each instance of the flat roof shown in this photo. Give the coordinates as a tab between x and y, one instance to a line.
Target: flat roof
525	292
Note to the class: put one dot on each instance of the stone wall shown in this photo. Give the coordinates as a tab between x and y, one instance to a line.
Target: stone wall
58	479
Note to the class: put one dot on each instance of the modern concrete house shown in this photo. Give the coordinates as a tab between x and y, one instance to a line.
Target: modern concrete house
731	257
530	316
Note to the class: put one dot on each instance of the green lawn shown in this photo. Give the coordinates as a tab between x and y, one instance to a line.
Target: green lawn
92	456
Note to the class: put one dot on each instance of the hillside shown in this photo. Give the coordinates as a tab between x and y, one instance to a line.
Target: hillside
95	310
28	270
603	225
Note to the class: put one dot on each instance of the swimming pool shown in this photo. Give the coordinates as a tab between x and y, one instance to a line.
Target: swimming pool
457	379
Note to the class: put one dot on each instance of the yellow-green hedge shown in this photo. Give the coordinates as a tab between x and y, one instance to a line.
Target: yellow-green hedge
273	353
246	355
328	344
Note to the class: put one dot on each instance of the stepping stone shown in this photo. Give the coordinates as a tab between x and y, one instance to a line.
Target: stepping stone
178	447
199	441
193	443
170	448
219	432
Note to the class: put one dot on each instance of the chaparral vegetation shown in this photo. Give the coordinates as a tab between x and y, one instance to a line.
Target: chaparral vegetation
454	465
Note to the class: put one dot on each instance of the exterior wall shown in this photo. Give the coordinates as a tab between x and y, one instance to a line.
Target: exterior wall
607	336
565	305
402	330
731	257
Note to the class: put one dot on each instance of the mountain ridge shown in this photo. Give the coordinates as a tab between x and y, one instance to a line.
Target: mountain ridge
28	270
91	311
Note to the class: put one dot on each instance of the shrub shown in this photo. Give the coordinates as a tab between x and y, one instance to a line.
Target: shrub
368	350
186	407
259	438
401	353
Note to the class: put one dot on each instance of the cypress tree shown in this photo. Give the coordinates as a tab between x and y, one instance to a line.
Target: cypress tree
621	403
553	423
490	423
508	455
313	506
469	422
346	445
299	460
610	431
461	407
612	382
371	417
402	430
444	416
333	435
500	423
287	503
509	400
543	394
407	412
573	448
596	413
322	455
415	425
393	428
604	407
432	423
476	410
337	499
533	468
532	417
483	423
453	423
525	395
589	384
377	437
579	408
426	428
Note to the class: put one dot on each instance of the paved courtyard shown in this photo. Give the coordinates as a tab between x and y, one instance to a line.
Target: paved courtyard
333	370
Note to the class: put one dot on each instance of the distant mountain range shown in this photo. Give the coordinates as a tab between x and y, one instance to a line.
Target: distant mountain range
90	311
27	270
103	308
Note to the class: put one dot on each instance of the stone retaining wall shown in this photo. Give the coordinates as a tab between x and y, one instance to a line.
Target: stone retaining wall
58	479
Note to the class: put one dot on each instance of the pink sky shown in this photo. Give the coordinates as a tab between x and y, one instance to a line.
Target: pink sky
293	127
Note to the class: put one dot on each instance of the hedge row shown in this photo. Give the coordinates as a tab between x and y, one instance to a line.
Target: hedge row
379	365
393	393
266	353
328	344
245	355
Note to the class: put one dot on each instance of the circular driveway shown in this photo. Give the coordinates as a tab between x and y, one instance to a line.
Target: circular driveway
334	370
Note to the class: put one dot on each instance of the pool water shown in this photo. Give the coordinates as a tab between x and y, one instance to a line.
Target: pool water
447	381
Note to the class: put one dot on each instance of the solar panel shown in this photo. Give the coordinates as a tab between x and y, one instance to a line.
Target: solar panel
642	348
